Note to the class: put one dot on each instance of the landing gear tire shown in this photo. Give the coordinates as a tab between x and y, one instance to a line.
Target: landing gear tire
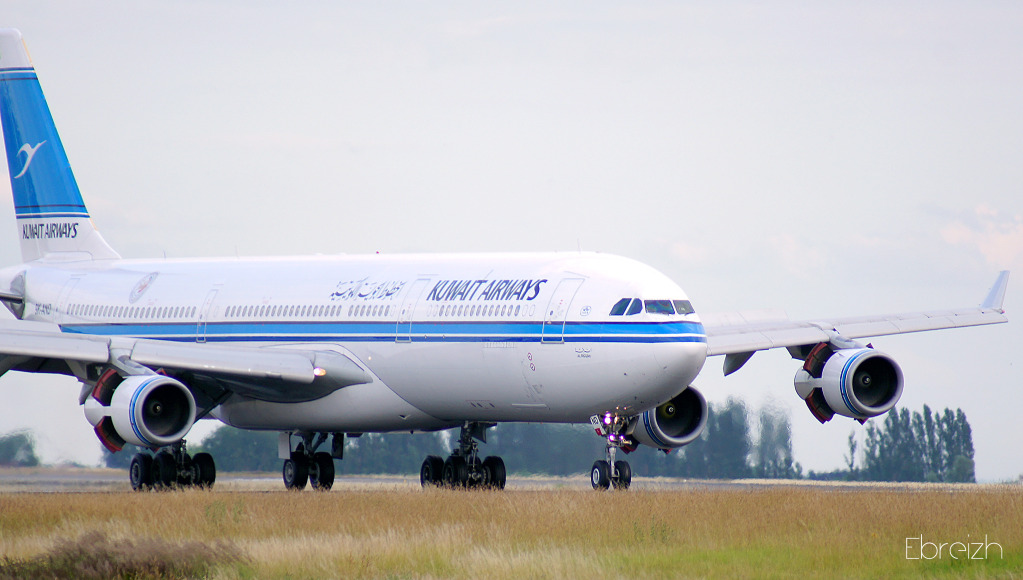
165	470
296	472
600	475
463	468
204	471
432	471
622	478
493	466
321	471
456	471
140	472
171	467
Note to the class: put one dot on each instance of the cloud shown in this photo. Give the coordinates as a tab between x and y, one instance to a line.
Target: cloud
474	28
995	234
796	256
689	252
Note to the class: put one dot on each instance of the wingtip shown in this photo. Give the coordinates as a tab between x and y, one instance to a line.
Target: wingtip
996	295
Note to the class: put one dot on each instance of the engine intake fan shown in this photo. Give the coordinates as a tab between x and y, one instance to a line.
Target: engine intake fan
673	424
149	411
853	382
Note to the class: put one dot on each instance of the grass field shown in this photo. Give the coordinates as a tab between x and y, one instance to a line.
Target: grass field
411	533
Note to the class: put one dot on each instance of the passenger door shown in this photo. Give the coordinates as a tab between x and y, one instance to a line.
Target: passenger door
557	311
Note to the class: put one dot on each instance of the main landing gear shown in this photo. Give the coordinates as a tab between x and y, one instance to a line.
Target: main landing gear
307	465
607	472
171	466
463	468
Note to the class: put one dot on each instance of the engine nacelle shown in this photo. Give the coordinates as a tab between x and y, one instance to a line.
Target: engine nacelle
147	410
853	382
675	423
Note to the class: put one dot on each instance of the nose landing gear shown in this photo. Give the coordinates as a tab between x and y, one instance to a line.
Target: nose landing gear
608	472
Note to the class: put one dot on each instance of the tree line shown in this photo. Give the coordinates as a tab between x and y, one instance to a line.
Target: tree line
905	446
916	447
18	449
726	449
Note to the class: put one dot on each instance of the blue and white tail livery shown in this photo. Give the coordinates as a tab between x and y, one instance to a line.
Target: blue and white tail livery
320	347
52	218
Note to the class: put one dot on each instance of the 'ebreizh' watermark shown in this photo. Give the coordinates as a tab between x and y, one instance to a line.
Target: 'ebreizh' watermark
919	549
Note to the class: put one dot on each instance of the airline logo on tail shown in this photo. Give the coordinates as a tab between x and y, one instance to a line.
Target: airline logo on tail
51	215
30	151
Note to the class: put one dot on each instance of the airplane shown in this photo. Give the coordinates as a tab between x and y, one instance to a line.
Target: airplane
320	348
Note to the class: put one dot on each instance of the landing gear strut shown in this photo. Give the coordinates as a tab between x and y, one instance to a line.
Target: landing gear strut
307	465
171	466
463	468
607	472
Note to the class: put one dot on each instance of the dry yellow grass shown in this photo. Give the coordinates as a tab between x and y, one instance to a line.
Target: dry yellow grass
756	532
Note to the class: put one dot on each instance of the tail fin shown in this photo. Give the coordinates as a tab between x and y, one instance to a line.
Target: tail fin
52	218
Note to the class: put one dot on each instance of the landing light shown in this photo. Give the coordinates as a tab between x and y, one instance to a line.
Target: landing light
319	372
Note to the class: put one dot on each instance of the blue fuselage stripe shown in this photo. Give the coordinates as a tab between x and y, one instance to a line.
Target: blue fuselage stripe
389	331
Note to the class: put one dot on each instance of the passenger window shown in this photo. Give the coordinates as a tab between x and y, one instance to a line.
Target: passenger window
684	307
619	308
659	307
636	307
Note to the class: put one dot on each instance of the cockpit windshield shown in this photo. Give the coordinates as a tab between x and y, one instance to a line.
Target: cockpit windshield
619	308
636	307
683	307
631	306
659	307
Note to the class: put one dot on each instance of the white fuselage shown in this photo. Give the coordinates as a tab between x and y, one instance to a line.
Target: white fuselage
445	338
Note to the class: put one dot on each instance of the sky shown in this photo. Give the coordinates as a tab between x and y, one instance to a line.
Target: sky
825	158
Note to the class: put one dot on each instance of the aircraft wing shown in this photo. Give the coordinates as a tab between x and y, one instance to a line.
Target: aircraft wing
739	335
268	373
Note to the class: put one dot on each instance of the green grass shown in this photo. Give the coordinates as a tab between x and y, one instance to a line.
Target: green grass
759	532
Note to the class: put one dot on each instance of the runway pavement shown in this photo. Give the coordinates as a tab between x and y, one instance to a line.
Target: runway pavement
92	480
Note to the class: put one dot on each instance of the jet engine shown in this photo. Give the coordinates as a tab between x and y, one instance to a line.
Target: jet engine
853	382
675	423
145	410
